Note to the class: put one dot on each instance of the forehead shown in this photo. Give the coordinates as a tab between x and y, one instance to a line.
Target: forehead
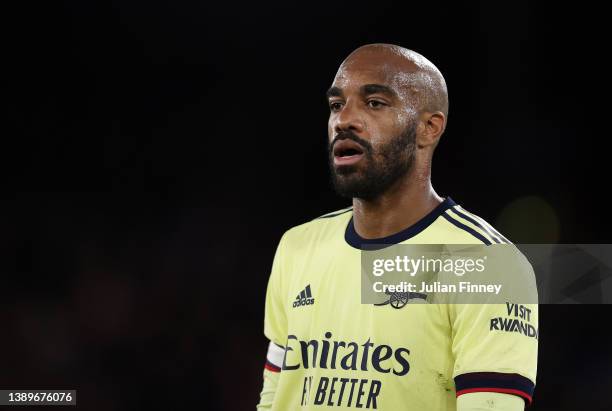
376	68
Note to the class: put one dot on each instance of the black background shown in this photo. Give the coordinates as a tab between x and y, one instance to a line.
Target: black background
155	152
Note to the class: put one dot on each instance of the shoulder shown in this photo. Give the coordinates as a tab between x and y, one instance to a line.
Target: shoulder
318	229
462	225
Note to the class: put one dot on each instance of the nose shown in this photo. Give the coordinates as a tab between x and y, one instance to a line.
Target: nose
348	119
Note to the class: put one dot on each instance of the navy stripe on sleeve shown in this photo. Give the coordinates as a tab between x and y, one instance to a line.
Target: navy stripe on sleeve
466	228
476	223
504	383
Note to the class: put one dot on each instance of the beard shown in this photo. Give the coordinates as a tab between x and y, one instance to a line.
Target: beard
378	170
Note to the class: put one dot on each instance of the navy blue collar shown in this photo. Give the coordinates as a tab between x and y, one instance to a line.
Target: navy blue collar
355	240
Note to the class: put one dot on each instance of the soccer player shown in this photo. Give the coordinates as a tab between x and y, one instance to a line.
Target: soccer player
388	109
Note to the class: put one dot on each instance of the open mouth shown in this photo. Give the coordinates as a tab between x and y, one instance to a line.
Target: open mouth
347	152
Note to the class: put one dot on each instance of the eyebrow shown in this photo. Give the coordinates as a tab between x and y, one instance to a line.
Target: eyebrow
365	90
377	88
333	92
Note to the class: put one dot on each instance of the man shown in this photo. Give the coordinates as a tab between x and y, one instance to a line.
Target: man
388	109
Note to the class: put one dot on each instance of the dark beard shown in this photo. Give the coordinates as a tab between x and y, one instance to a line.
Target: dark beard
382	168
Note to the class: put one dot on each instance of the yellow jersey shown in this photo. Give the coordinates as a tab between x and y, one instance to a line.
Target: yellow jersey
340	354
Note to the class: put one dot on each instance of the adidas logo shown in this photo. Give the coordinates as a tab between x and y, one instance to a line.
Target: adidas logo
304	298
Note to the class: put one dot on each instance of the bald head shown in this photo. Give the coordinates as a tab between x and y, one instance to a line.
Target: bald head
415	77
388	108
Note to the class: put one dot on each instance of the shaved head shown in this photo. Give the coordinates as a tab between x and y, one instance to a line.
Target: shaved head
388	108
408	71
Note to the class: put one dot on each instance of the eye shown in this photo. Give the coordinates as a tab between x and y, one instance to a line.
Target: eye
335	105
375	104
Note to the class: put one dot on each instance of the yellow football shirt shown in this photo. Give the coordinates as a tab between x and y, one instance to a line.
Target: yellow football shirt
337	353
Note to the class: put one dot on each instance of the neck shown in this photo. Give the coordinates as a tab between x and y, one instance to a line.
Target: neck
402	205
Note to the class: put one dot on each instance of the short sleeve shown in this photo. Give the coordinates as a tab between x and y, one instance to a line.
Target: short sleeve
495	346
275	319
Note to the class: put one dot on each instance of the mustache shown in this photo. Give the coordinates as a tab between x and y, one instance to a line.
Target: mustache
349	135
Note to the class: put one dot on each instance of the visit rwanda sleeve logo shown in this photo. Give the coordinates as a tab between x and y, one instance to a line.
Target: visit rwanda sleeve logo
304	298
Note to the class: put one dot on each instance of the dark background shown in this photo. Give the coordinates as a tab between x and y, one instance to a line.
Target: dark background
155	152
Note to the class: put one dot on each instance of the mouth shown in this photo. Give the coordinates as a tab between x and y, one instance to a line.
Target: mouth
347	152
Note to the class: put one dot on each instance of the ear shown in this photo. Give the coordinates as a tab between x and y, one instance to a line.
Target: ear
430	129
